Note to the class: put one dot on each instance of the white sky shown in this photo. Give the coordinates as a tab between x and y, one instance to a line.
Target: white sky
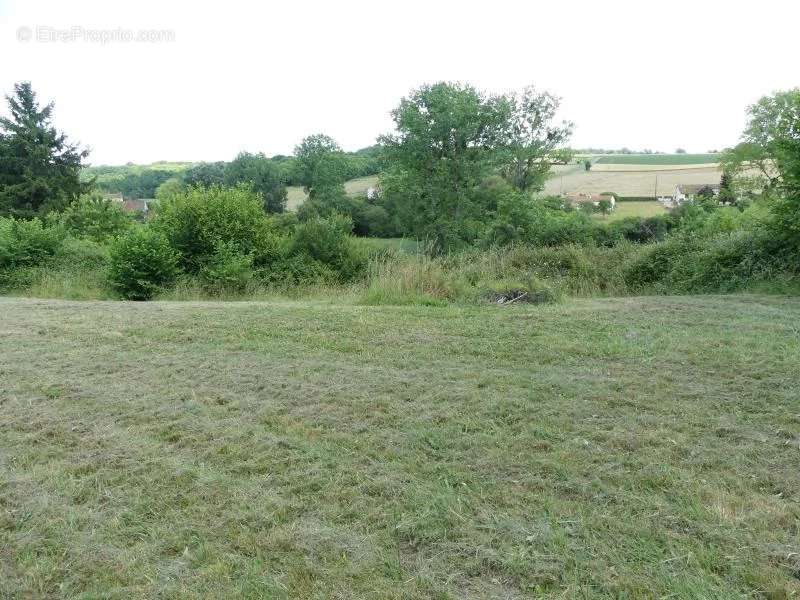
259	76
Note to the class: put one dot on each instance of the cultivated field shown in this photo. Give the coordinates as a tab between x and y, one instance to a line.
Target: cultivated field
652	168
657	159
568	179
628	448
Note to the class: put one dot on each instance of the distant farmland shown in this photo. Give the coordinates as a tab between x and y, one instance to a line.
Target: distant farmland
569	180
658	159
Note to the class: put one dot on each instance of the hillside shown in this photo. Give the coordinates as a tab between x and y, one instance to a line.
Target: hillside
640	447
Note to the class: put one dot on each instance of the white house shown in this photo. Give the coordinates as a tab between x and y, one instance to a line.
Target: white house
579	200
688	191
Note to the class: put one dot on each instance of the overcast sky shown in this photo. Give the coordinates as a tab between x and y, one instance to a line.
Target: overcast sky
258	76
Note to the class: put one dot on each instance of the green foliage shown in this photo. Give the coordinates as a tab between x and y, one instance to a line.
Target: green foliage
264	176
227	270
446	143
771	145
25	244
328	242
134	181
170	187
196	221
142	263
320	165
39	168
371	219
205	175
533	141
478	276
637	229
95	218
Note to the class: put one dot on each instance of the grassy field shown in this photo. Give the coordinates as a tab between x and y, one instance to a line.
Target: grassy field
630	448
568	180
354	187
657	159
633	209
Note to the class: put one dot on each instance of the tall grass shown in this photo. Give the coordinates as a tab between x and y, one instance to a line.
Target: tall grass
475	275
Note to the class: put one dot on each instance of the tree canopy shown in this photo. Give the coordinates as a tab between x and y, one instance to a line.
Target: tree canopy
449	138
39	167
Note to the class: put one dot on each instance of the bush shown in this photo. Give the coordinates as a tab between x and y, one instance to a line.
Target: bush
198	220
142	263
373	220
227	271
328	241
636	229
95	218
24	245
77	271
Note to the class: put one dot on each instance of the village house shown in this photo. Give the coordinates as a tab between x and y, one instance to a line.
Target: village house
581	200
137	206
688	191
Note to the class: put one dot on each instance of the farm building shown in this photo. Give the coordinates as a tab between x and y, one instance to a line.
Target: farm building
687	191
579	200
137	206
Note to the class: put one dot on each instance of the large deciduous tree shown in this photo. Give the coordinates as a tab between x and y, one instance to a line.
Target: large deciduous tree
320	163
771	146
535	141
39	168
446	143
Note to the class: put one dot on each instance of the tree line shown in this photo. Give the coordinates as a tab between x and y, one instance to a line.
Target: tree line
461	169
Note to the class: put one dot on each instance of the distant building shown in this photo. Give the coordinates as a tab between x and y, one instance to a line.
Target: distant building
138	206
688	191
578	200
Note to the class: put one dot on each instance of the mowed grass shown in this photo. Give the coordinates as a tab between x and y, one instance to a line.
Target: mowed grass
633	448
626	209
658	159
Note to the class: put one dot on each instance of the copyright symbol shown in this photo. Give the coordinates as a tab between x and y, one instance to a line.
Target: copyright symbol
24	34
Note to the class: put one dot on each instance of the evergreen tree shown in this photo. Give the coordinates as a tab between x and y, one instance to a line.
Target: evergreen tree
39	168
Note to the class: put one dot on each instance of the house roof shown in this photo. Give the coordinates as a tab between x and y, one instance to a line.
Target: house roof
135	205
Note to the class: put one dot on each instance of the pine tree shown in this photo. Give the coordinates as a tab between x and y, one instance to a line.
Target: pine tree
39	168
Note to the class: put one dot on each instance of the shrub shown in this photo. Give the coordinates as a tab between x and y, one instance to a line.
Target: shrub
95	218
635	229
328	241
196	221
556	228
142	262
24	245
373	220
227	271
76	271
655	264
